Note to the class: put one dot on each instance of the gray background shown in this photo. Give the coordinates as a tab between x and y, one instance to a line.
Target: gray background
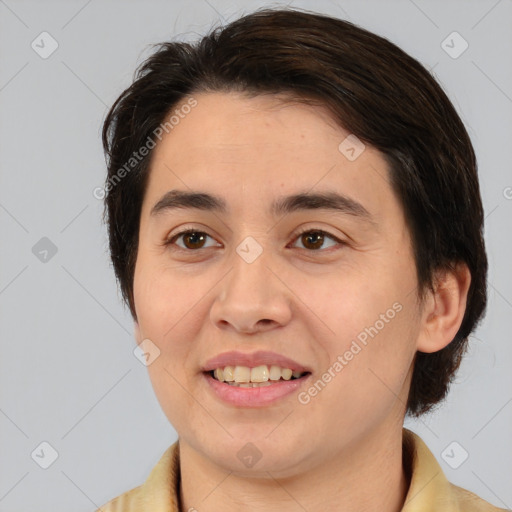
68	373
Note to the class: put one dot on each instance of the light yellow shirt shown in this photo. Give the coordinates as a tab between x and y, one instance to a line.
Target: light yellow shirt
429	489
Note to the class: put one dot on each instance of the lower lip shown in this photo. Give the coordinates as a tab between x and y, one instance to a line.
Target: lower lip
254	397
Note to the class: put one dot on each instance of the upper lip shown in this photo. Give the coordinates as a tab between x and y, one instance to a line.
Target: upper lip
261	357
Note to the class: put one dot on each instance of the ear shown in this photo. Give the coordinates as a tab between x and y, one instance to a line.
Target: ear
443	309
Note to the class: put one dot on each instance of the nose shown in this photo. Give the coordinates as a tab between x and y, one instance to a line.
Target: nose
251	298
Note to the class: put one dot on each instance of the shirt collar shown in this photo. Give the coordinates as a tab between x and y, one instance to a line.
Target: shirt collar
429	489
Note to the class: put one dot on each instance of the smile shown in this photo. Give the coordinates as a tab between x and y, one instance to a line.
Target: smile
259	376
254	394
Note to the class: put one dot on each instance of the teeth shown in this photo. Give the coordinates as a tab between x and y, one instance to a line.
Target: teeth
228	374
286	373
259	375
275	373
249	384
242	374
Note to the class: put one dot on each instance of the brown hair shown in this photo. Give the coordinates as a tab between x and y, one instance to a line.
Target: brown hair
375	91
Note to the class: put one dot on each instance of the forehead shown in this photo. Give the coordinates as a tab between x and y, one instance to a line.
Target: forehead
235	124
250	149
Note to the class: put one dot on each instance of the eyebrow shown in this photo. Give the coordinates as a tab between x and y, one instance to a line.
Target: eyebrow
180	199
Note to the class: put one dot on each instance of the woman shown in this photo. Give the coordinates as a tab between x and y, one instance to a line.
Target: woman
296	225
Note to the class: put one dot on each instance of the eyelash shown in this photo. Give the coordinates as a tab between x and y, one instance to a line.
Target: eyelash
171	240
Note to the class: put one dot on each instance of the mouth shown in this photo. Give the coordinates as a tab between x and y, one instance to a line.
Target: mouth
234	386
255	377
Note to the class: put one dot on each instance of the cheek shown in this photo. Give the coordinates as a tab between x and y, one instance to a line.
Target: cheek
351	304
167	315
163	298
376	357
369	342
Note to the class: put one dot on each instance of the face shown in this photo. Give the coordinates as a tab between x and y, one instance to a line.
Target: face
331	288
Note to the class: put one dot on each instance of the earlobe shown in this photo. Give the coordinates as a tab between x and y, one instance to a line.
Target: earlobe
444	308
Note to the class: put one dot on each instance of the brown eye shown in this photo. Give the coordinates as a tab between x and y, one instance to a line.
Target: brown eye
314	239
192	240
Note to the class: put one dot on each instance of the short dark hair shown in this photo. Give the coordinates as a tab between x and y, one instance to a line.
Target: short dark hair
374	89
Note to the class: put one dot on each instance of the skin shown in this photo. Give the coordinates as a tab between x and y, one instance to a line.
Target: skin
343	449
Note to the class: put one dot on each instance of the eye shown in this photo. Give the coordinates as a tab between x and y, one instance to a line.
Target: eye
192	239
314	238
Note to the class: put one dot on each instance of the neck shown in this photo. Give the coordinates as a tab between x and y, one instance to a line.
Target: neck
371	475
